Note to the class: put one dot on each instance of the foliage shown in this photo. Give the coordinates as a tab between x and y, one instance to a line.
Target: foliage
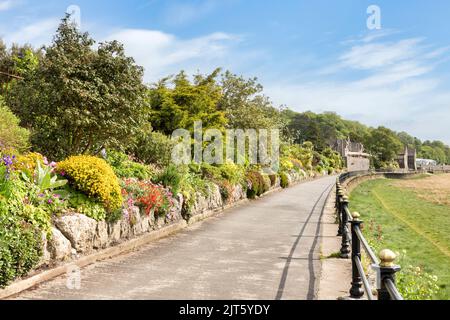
152	198
20	248
384	145
22	198
415	228
245	106
12	136
273	179
284	180
124	167
153	148
94	177
44	178
170	177
80	99
416	284
226	190
257	184
27	163
87	206
180	102
322	129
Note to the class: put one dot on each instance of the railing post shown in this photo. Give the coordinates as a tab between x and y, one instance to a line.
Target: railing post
356	291
339	213
388	269
345	244
338	187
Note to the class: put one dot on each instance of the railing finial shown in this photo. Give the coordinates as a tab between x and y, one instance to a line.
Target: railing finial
387	258
356	216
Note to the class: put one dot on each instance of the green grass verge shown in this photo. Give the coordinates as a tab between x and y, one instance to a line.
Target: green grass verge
397	219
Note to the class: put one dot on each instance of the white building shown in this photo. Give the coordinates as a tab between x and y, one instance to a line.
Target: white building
426	162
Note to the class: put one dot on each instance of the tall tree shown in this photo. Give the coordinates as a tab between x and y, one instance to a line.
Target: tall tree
176	103
245	106
80	99
384	145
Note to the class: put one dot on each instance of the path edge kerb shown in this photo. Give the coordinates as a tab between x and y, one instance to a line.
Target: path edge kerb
128	246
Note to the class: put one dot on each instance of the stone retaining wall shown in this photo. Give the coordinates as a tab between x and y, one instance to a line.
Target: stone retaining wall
75	235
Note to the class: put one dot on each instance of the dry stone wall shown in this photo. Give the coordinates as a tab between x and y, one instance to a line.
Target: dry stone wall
75	235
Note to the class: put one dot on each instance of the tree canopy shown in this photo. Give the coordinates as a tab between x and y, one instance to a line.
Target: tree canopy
79	99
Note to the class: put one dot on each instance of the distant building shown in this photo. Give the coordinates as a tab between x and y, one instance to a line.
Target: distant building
353	154
426	163
407	160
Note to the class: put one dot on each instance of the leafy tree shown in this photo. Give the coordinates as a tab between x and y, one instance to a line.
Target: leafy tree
176	103
384	145
80	99
245	106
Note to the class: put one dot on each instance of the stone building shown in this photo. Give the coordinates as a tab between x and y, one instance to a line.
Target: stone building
353	154
407	160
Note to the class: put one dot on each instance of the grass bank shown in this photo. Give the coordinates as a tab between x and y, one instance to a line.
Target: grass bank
402	216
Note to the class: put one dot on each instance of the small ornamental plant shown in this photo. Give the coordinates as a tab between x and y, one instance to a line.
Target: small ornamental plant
150	197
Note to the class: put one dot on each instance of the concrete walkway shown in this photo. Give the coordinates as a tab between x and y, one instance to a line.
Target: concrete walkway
268	249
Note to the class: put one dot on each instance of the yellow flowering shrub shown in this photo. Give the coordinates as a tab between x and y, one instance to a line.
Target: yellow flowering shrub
28	162
94	177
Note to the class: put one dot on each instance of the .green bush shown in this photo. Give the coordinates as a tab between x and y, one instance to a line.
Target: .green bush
12	136
284	183
257	185
20	248
153	148
124	167
170	177
273	179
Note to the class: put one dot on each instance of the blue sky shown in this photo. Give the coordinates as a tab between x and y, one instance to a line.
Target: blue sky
309	55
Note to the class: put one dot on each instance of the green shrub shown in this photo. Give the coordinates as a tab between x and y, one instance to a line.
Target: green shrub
284	180
233	173
257	185
170	177
12	136
20	248
273	179
124	167
267	182
226	190
87	206
155	148
94	177
211	172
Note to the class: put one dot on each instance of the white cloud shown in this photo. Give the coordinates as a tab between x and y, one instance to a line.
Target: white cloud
179	13
376	55
36	34
7	4
162	53
388	83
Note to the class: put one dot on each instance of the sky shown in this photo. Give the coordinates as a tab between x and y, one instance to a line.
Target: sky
309	55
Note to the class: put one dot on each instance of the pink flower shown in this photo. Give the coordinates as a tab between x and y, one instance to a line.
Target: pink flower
45	161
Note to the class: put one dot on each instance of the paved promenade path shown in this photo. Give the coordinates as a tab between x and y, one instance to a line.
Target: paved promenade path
267	249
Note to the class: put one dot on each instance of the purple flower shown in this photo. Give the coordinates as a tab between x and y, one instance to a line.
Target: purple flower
41	195
50	201
8	161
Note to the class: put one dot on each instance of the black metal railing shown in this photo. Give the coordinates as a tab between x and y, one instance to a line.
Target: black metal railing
353	241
